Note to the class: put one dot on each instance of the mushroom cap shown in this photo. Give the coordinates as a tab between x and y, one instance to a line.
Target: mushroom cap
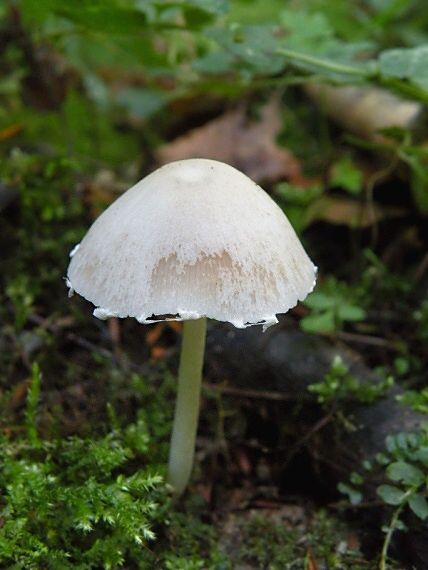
196	238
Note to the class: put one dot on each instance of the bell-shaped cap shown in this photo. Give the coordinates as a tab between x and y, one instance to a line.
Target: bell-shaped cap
196	238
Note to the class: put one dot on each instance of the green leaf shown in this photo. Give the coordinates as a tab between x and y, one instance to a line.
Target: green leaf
391	495
418	162
422	455
419	506
318	323
306	31
215	62
298	195
320	300
37	11
401	365
356	478
405	472
353	494
104	19
351	313
406	63
200	12
141	102
347	176
252	47
341	62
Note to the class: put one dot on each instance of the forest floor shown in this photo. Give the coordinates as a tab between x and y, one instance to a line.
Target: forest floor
312	447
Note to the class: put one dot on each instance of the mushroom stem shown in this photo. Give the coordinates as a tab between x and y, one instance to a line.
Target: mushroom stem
184	429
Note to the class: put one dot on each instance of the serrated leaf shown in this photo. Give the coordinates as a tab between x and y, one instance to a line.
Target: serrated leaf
405	472
391	495
419	506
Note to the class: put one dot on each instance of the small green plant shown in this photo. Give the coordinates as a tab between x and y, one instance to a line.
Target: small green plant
33	397
21	296
331	305
339	385
415	399
379	284
294	200
352	488
346	175
404	465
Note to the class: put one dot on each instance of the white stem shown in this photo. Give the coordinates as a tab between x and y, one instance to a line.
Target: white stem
185	425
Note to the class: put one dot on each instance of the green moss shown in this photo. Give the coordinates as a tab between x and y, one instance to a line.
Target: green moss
271	545
76	503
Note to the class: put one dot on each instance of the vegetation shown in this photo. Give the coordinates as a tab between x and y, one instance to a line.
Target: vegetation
96	94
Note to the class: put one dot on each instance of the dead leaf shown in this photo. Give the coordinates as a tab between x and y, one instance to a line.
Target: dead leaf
154	333
176	326
243	461
205	491
159	353
10	131
353	541
156	330
246	144
348	212
19	394
310	559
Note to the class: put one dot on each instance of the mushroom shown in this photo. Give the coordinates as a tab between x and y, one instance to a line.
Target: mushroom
195	239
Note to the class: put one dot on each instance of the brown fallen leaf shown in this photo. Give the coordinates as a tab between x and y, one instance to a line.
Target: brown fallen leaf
154	333
353	541
348	212
176	326
19	394
311	563
243	461
159	353
10	131
246	144
156	330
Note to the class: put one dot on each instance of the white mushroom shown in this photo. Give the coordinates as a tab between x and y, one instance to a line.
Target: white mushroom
194	239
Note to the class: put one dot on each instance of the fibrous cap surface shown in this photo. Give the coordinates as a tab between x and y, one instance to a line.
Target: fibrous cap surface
194	238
